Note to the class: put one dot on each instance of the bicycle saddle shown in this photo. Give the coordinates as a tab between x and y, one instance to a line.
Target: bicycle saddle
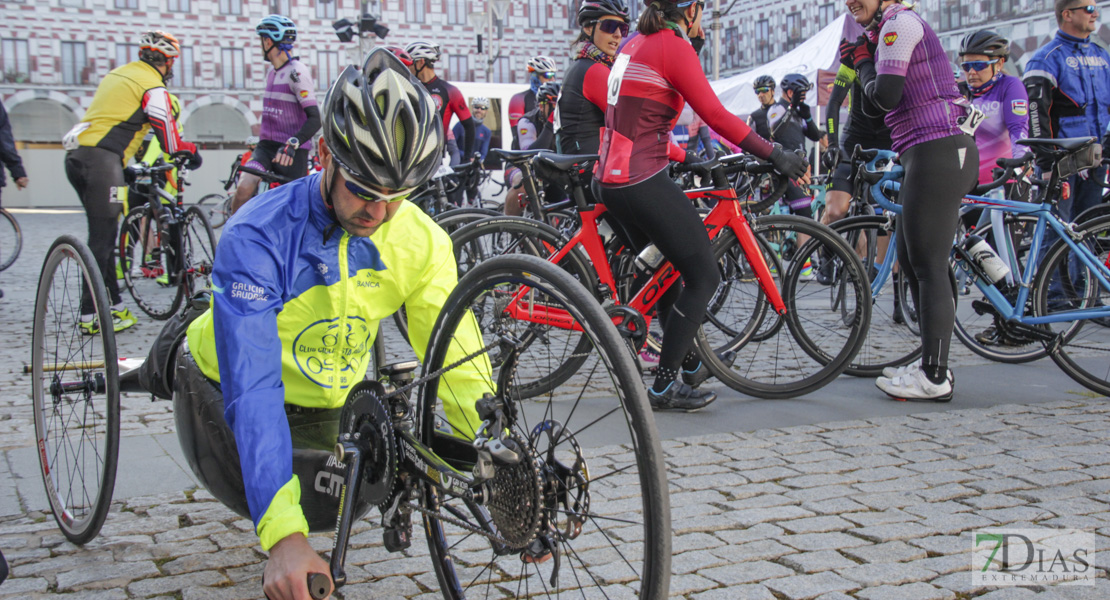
516	156
566	162
1040	145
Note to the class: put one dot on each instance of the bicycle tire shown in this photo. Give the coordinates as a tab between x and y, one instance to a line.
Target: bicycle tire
969	324
198	243
625	528
477	242
9	250
145	253
61	357
217	208
887	343
816	346
457	217
1083	351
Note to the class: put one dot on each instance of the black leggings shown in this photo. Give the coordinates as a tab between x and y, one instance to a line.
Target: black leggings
656	211
938	174
93	172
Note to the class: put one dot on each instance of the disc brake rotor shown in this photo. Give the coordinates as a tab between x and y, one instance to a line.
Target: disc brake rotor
567	489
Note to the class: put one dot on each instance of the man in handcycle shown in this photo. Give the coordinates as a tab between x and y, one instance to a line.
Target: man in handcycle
304	274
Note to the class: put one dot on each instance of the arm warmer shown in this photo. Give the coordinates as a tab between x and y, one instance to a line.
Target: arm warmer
884	91
311	125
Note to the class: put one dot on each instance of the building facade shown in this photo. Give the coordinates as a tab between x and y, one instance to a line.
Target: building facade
54	52
757	31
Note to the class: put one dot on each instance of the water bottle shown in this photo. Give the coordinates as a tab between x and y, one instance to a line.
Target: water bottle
985	256
649	259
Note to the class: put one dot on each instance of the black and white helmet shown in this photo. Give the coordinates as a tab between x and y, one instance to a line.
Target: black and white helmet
381	124
541	64
985	42
423	50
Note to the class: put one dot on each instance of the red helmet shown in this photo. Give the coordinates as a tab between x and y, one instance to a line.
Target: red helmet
400	53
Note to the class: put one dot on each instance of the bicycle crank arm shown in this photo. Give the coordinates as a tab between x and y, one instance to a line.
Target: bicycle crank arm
351	455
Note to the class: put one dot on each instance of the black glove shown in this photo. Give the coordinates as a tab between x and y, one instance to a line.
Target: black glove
830	158
803	110
854	53
191	155
698	43
290	148
788	163
691	158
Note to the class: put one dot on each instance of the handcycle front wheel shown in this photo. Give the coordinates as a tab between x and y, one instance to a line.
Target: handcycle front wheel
11	239
75	391
818	341
592	453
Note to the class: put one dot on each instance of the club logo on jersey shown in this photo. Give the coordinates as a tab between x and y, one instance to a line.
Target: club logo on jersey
329	356
439	102
890	38
1019	107
304	93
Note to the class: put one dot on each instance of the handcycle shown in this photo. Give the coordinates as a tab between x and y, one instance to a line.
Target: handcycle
1054	300
166	251
11	239
556	496
766	333
218	206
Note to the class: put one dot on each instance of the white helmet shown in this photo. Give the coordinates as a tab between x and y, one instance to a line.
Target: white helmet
160	42
541	64
425	50
479	102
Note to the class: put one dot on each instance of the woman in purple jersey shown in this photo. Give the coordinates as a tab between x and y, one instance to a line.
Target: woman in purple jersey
904	71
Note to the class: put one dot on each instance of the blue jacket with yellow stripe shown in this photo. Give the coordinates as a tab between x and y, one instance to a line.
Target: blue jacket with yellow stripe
295	312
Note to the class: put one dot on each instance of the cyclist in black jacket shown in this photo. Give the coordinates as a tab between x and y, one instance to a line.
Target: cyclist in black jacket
791	122
764	90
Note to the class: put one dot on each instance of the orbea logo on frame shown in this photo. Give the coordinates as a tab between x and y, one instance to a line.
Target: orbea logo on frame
1005	557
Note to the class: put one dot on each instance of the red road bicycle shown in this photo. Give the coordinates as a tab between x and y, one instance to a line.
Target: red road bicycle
770	330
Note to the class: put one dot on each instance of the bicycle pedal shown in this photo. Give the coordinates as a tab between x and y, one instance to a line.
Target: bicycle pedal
397	539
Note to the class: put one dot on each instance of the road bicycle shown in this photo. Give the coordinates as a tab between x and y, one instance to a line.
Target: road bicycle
217	207
1053	302
11	239
558	496
766	333
166	251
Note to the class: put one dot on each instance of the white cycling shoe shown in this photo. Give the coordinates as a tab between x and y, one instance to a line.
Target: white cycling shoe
913	385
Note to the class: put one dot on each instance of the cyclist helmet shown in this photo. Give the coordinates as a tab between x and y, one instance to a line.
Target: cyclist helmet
381	124
541	64
548	92
425	50
400	53
278	28
479	102
160	42
592	10
796	82
764	81
985	42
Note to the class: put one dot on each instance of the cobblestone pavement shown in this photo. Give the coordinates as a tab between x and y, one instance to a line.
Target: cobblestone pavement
871	509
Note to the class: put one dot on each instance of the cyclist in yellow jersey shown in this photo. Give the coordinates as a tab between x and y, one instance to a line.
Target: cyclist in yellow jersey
304	274
154	151
129	101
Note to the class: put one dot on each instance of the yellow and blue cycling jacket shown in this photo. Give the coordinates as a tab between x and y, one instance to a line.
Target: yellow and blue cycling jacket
295	312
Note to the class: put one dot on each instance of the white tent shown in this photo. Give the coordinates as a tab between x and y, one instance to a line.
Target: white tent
819	53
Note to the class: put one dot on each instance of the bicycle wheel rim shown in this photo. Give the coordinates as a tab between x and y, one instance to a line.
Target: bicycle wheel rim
146	259
623	547
217	208
199	250
73	461
11	240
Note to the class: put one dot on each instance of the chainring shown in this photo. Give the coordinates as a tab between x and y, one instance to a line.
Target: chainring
515	504
365	419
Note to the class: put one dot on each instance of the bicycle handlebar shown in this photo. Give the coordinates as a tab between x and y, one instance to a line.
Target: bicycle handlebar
265	175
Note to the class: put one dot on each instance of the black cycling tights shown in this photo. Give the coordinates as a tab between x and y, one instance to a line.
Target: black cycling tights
656	211
93	172
938	174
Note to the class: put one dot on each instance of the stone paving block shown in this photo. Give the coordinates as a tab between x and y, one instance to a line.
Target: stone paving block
770	474
887	552
879	574
1056	492
820	493
946	477
835	465
816	562
892	532
736	592
692	583
696	560
806	587
943	545
694	541
1074	506
20	588
881	517
824	479
810	542
1014	514
883	474
250	590
757	550
174	583
212	560
744	535
955	523
105	575
959	582
834	506
943	565
821	449
755	489
1054	478
713	482
947	492
750	572
905	484
762	501
874	461
990	501
913	591
749	517
1009	594
817	525
834	596
990	484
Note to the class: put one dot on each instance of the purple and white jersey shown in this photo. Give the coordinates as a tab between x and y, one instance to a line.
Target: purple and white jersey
1006	105
930	104
289	90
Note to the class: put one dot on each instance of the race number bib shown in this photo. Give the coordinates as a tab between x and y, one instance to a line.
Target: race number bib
616	75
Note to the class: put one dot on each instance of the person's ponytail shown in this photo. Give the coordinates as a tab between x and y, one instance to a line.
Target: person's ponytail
655	17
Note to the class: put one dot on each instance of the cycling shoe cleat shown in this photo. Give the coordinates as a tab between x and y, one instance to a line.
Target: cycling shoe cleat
914	386
680	396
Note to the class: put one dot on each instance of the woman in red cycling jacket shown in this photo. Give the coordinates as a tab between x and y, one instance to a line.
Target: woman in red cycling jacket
651	79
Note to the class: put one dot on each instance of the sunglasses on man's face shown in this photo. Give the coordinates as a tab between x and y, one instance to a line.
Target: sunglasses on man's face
1089	9
370	194
762	90
548	74
480	107
611	26
976	65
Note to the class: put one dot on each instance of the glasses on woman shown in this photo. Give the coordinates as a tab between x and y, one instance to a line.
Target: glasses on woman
976	65
370	194
611	26
1089	9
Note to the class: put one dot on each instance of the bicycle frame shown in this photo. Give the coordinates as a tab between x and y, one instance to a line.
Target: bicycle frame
726	214
1045	219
